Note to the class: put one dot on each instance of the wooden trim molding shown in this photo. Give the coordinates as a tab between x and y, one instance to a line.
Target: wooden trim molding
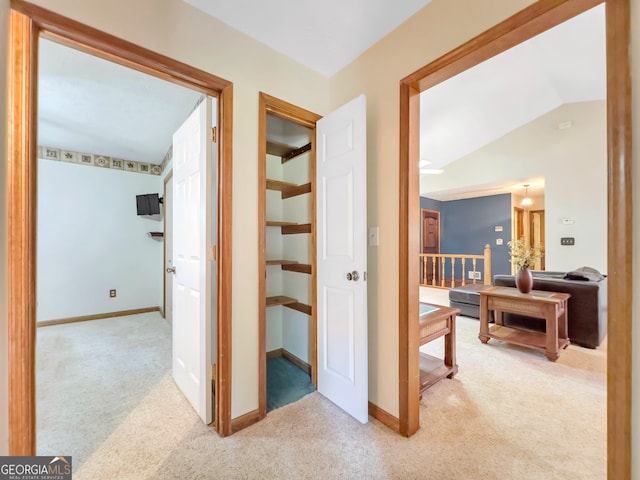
274	353
27	21
620	239
262	248
122	52
274	106
97	316
538	17
286	354
301	364
22	61
246	420
409	336
384	417
225	270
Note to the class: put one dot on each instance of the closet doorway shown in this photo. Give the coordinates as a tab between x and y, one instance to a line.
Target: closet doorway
287	252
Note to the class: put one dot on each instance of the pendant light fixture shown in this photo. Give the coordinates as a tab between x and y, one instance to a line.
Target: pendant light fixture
526	200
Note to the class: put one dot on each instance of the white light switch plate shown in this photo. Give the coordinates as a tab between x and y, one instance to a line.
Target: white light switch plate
374	236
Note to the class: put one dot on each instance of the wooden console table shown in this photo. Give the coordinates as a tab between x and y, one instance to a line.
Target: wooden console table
437	321
550	306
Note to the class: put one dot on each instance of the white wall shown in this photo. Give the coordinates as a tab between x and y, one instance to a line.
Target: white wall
4	427
176	29
296	325
91	240
574	164
430	33
274	247
173	28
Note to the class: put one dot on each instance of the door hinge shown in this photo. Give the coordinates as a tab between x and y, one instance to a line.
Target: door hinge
213	372
365	276
213	253
214	135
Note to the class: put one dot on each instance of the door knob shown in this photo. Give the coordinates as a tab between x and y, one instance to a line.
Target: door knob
353	276
171	270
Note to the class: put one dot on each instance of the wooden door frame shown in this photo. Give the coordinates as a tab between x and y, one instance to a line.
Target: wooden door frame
538	17
531	225
274	106
518	213
26	23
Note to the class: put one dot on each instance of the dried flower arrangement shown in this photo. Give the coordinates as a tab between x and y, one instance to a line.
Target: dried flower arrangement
524	256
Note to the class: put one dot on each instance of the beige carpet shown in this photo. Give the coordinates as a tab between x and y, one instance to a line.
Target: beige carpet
508	414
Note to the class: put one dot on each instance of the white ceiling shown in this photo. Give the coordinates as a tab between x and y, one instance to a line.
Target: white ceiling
324	35
90	105
563	65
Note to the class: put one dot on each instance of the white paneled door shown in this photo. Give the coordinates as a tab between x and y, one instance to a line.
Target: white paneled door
342	258
192	276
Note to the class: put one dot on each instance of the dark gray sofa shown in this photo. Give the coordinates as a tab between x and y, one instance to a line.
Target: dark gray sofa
587	308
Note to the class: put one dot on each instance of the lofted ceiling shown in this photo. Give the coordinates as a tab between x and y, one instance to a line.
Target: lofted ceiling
563	65
325	36
91	105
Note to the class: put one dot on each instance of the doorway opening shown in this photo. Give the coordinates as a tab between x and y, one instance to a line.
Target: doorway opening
27	23
430	243
287	253
525	24
99	257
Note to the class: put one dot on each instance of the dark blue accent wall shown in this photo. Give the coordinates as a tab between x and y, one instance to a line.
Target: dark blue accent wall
429	204
467	225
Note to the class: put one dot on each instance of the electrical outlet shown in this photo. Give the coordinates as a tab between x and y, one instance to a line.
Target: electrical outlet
473	275
478	275
470	274
112	293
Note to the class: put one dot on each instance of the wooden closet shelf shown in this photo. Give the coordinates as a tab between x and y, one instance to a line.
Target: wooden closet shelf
286	152
280	262
279	185
300	307
271	223
297	267
294	229
289	303
297	190
296	152
280	300
279	149
287	189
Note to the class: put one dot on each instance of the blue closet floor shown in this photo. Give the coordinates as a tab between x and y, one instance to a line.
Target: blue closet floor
286	383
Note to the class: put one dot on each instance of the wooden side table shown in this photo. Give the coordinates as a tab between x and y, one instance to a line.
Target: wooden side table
550	306
437	321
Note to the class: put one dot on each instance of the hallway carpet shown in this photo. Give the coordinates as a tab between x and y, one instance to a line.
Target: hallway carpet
508	414
286	383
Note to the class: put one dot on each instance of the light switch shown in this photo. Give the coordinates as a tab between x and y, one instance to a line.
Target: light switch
374	236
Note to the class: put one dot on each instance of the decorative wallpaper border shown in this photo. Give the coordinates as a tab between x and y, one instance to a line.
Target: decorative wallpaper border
103	161
167	158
